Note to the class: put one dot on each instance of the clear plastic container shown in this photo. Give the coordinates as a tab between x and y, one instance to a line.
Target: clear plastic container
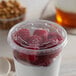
49	59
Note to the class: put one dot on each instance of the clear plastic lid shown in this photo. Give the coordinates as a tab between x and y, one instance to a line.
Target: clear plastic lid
38	24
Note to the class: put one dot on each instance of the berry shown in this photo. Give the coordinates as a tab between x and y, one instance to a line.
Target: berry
55	34
23	56
56	53
32	58
27	58
35	40
43	60
53	40
46	62
42	33
21	37
41	39
50	43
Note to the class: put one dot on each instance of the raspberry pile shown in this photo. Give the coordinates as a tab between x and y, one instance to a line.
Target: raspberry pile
41	39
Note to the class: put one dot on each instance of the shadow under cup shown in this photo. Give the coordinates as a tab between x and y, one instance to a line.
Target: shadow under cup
45	62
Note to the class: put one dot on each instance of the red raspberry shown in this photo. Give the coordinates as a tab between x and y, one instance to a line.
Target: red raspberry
23	56
35	40
56	35
56	53
33	47
42	33
21	36
46	62
43	60
32	58
50	43
27	58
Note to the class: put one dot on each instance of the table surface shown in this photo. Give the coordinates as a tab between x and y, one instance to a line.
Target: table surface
68	65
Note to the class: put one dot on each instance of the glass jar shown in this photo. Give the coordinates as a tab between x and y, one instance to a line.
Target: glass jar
66	14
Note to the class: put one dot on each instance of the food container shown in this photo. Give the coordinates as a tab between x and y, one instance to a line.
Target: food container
11	13
33	53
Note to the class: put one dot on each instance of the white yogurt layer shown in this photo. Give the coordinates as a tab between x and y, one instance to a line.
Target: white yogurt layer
27	70
67	5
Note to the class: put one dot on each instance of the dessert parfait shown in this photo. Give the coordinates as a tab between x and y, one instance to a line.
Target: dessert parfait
37	47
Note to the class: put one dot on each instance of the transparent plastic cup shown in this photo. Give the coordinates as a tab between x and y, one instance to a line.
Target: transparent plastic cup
49	59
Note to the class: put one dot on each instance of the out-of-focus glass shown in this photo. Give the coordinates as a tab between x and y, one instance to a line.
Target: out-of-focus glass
66	14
